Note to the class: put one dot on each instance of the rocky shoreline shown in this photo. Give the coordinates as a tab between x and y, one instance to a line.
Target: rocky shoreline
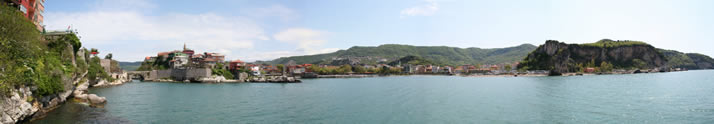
21	106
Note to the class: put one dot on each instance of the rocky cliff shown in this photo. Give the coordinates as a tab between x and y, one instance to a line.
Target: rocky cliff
40	70
561	57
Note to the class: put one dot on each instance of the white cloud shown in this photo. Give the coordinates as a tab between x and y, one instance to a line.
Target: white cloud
427	9
123	29
127	30
279	11
266	56
306	39
122	5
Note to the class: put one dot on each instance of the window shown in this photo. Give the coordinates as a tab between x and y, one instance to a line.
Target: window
23	9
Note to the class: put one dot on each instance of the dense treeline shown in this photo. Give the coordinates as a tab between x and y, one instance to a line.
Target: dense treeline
28	59
439	55
347	69
607	55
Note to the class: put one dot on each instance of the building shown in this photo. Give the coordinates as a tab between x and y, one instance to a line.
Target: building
447	69
33	10
236	64
589	70
179	59
150	59
215	56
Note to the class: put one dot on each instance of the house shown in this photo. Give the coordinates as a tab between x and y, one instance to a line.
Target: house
459	70
31	9
589	70
255	70
179	60
419	69
447	69
435	69
209	62
236	64
494	67
215	56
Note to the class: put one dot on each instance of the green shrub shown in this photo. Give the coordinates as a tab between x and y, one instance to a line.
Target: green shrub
25	58
222	72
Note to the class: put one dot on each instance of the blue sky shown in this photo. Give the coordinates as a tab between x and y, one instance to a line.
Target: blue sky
267	29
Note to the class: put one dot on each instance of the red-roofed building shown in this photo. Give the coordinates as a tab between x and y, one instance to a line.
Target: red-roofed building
236	64
32	10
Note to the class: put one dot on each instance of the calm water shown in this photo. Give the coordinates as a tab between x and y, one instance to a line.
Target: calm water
681	97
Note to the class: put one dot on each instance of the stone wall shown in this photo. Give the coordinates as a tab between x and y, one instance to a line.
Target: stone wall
158	74
179	74
106	64
190	74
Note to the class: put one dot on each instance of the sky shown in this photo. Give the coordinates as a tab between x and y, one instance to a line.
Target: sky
252	30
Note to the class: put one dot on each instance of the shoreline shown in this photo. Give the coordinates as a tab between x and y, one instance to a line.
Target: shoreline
255	79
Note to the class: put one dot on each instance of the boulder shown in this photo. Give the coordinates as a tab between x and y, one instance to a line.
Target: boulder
94	99
81	96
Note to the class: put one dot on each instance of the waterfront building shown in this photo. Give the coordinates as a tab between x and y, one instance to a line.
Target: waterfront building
33	10
589	70
215	56
447	69
150	59
435	69
236	64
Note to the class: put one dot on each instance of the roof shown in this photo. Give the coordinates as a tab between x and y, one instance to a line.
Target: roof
237	61
163	54
210	60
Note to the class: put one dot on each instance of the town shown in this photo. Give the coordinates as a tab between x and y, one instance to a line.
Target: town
186	65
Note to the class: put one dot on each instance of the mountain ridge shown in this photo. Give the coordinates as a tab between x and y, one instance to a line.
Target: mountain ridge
441	55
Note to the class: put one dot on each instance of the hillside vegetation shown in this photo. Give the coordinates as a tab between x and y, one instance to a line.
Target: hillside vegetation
129	66
439	55
676	59
611	43
28	59
606	55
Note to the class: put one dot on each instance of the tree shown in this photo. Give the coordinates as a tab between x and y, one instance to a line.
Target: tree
639	63
109	56
280	67
508	67
591	63
605	67
344	69
359	69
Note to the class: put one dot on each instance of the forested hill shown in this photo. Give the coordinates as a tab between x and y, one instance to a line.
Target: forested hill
439	55
607	54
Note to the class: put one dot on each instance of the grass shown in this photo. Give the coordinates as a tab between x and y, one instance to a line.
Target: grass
607	43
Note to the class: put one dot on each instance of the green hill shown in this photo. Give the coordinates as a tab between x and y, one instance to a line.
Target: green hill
690	61
129	66
439	55
414	60
560	57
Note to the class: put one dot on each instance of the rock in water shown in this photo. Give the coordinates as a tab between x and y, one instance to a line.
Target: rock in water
94	99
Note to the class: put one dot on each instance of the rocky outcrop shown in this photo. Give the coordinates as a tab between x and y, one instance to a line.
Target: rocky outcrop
562	58
18	106
81	94
212	79
119	78
274	79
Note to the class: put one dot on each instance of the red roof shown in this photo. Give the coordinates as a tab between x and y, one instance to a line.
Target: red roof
237	61
210	60
163	54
